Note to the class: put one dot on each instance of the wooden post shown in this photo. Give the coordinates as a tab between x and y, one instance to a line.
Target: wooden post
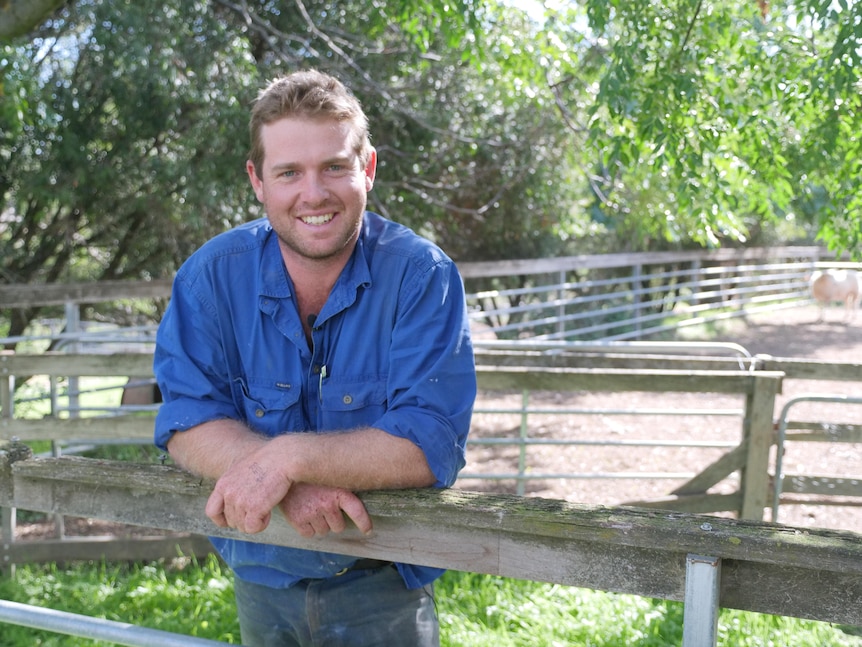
561	309
521	486
9	453
638	298
7	512
758	438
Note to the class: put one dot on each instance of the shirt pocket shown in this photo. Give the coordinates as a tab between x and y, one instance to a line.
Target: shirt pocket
354	402
270	407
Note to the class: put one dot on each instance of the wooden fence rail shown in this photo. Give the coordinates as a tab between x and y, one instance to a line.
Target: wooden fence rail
652	552
752	456
768	568
759	379
27	295
604	296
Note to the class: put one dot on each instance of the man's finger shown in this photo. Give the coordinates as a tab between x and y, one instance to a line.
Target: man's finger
334	521
354	509
305	530
215	509
320	526
254	523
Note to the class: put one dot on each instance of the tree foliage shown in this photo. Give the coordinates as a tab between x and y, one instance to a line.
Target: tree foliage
18	17
126	137
609	126
720	121
117	166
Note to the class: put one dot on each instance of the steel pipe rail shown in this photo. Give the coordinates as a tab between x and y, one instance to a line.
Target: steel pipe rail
118	633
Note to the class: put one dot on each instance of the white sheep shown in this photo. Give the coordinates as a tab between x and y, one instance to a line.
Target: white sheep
836	285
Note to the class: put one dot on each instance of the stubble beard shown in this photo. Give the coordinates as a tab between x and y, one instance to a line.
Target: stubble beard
296	246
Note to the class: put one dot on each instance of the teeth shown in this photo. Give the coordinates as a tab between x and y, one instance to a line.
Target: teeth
318	220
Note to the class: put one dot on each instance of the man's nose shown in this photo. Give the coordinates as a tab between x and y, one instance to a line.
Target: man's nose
314	188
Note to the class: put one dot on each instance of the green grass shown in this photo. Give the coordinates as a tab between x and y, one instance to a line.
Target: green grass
484	611
192	598
185	597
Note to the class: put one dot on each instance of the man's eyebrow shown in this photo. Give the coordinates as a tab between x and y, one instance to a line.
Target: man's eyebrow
344	160
340	159
283	166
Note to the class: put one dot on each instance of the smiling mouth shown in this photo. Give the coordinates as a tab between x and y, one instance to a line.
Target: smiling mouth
318	220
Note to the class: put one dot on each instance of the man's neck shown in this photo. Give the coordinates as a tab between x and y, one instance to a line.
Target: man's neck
313	280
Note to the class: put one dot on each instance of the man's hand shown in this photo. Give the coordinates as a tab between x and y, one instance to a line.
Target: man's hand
317	510
244	496
255	473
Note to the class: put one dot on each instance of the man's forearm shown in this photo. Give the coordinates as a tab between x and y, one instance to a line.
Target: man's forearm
362	459
209	449
254	474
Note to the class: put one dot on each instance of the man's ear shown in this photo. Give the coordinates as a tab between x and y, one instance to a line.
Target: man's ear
370	170
256	182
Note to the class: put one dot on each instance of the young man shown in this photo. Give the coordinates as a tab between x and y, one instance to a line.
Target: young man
310	354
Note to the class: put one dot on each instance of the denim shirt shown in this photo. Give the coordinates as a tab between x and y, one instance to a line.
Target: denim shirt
391	350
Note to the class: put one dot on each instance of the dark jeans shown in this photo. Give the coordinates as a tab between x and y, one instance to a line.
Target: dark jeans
358	609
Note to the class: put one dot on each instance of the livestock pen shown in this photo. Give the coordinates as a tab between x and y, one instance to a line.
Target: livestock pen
539	427
605	373
511	380
590	297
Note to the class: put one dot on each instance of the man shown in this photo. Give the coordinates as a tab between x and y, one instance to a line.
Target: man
305	356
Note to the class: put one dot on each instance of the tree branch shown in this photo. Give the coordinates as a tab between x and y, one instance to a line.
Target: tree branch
19	17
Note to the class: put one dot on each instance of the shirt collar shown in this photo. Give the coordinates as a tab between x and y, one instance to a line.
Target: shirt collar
275	282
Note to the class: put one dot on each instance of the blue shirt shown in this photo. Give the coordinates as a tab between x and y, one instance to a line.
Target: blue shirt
391	350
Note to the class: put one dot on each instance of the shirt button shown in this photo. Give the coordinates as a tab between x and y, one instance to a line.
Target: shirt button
315	369
258	413
347	399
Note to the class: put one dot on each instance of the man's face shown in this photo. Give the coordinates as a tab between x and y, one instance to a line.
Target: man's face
313	187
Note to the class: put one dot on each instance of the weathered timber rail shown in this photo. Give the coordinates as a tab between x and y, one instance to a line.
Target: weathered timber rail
764	567
27	295
759	389
758	379
605	296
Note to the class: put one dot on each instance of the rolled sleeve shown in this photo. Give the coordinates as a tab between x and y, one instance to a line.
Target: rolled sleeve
190	375
432	372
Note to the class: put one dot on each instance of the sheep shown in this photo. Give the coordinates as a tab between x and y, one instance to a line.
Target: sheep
836	285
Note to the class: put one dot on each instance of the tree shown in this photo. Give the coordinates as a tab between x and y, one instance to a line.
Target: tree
694	122
18	17
717	119
614	125
126	146
117	166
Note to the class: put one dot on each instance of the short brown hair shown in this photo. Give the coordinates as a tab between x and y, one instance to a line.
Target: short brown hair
309	94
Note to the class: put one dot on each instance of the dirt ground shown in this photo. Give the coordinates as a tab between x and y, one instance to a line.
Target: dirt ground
706	418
